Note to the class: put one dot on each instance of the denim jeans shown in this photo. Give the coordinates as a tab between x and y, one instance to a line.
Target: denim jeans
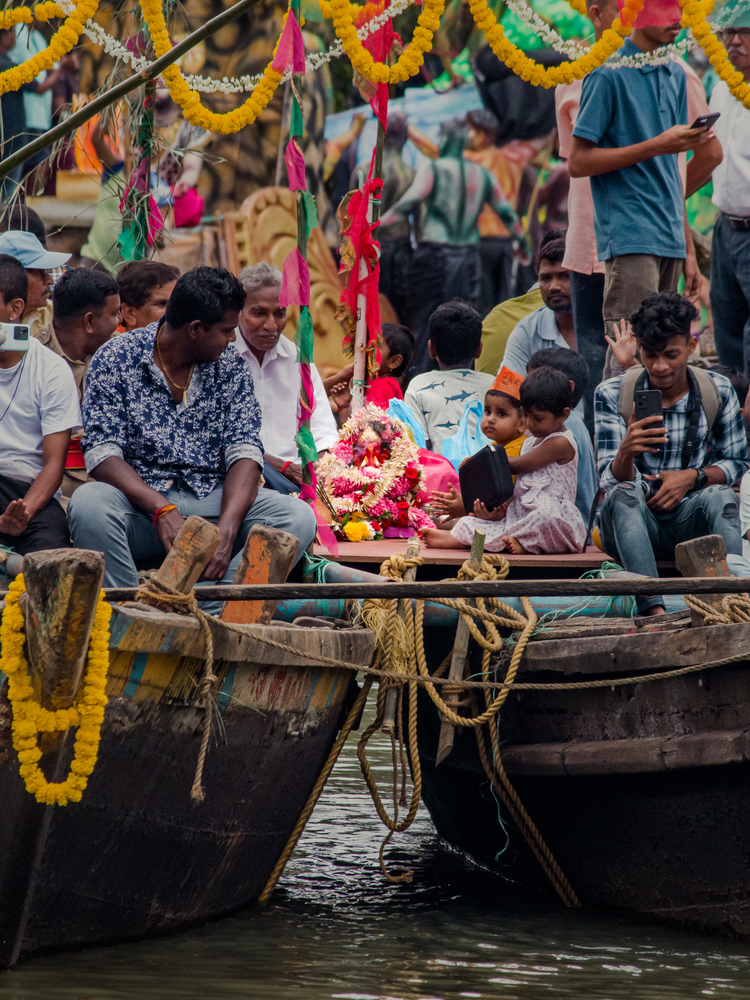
103	519
587	297
730	294
636	536
278	482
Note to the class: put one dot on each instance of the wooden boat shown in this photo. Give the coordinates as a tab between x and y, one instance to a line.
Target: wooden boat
641	792
136	856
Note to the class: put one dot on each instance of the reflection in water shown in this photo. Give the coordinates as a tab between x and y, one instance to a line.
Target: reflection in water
335	929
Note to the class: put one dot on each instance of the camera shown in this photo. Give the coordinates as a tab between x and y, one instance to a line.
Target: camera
14	337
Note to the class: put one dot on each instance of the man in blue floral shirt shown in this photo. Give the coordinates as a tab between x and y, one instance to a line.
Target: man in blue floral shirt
668	478
171	428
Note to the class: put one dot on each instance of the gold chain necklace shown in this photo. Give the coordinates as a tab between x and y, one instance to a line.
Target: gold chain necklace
182	388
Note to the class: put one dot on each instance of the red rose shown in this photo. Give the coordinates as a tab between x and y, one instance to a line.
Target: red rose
411	474
375	526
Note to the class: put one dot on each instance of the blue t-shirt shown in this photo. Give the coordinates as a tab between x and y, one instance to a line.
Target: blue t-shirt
639	209
587	482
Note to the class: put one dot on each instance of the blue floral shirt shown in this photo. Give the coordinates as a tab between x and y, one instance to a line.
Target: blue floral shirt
129	412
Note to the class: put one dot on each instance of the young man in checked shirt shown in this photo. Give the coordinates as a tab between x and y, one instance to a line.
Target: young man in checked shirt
661	489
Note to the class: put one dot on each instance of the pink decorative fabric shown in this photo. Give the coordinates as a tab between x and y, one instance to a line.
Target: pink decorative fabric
295	164
295	284
290	53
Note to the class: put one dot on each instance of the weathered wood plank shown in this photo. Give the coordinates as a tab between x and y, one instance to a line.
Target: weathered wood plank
196	542
705	556
639	652
145	631
267	557
629	756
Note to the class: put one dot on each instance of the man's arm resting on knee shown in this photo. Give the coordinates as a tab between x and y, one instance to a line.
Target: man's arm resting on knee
238	496
18	513
115	471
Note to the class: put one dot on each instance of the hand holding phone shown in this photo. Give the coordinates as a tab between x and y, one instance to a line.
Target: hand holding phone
706	121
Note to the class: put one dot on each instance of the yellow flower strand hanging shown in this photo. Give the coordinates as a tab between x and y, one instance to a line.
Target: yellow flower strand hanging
62	41
30	719
694	17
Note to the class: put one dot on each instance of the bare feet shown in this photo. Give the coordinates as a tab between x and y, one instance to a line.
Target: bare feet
436	539
514	546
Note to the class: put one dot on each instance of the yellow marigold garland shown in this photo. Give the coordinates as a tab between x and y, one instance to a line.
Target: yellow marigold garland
62	41
579	6
409	61
694	17
30	719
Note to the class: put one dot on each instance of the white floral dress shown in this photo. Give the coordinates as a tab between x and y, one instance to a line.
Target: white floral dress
542	514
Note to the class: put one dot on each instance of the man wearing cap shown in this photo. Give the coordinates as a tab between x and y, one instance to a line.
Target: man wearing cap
730	250
38	261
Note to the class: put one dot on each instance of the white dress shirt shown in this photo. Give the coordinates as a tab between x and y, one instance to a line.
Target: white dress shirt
277	388
732	176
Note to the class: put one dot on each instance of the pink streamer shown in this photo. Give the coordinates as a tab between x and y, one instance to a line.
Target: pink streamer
290	53
295	284
307	391
295	164
327	538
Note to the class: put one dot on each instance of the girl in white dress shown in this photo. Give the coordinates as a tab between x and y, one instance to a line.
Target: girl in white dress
541	516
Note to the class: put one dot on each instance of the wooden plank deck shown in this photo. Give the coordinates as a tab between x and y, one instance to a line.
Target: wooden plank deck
377	552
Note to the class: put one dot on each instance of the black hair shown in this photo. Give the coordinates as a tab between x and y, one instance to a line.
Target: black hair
401	341
80	290
455	330
14	281
25	219
740	381
570	363
660	317
205	294
506	395
138	278
551	248
547	389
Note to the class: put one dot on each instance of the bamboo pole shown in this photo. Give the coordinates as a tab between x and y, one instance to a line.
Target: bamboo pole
119	91
393	590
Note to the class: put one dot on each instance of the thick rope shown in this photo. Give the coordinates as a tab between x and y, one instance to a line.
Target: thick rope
734	608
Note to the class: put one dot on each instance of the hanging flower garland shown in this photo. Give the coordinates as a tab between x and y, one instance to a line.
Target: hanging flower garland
62	41
408	63
694	17
30	719
540	76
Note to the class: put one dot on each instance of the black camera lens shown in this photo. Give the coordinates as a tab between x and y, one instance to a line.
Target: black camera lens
20	333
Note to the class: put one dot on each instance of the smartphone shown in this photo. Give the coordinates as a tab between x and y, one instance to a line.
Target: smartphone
14	337
706	121
648	404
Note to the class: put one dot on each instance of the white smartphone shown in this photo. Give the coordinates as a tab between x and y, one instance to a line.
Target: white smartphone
14	337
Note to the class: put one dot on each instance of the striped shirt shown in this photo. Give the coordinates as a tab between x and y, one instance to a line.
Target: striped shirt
726	448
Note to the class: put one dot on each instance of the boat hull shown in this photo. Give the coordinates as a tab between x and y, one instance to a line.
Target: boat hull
136	857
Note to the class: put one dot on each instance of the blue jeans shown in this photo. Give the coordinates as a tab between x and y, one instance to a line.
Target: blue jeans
278	482
103	519
587	297
730	294
636	536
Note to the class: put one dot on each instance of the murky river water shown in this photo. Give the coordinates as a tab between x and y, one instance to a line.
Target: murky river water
336	930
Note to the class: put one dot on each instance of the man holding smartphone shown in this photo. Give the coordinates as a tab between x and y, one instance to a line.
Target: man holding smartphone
668	478
632	125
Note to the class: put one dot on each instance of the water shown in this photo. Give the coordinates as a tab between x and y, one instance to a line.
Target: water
335	929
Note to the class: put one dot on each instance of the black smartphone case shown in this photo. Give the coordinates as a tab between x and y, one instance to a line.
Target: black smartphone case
486	477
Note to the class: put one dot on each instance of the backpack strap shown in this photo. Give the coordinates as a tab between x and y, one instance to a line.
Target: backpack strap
627	391
710	399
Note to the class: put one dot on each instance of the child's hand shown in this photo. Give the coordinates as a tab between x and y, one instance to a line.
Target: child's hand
340	396
498	514
447	504
333	381
623	344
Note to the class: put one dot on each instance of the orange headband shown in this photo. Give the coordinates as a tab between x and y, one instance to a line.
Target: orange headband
508	382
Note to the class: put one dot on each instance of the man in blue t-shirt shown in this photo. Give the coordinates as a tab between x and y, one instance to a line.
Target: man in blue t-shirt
631	126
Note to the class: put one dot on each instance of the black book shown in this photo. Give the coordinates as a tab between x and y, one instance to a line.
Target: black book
486	477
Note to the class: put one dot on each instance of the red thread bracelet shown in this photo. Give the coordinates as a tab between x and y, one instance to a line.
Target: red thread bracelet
163	510
286	466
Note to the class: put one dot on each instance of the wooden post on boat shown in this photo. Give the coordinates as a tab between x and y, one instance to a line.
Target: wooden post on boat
706	556
391	695
62	588
268	556
195	544
458	660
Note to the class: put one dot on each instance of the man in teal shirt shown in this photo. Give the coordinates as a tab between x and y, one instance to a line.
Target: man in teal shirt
631	126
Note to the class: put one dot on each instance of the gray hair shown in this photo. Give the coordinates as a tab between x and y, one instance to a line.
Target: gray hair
260	275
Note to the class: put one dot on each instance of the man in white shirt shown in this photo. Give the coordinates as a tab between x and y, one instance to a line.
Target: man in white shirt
730	250
38	409
276	378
